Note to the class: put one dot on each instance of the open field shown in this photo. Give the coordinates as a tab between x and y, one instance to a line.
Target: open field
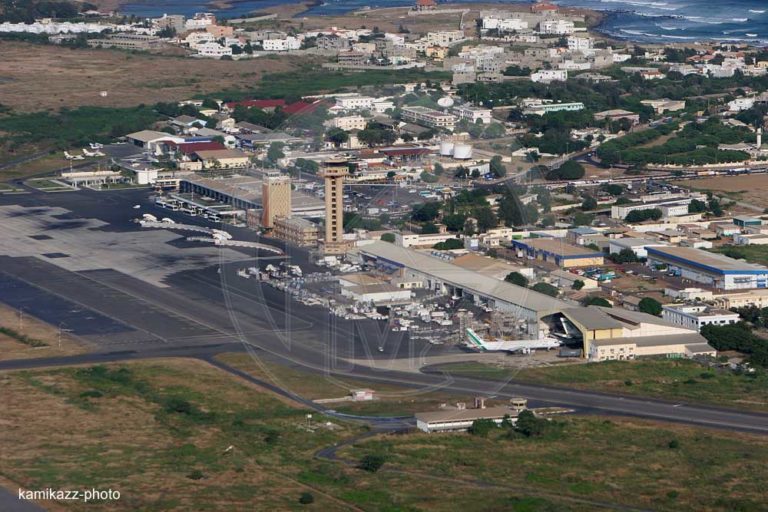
158	432
45	336
680	379
392	400
40	77
624	463
750	189
752	253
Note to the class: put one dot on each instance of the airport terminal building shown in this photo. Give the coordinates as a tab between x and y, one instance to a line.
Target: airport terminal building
708	268
446	278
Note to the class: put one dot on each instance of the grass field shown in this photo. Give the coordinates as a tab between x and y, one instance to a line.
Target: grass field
680	379
49	77
751	253
635	464
34	329
160	432
393	400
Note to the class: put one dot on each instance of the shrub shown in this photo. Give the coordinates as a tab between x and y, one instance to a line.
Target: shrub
482	427
306	498
674	444
372	463
196	474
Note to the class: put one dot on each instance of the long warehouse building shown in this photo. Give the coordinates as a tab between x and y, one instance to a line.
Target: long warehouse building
709	268
444	277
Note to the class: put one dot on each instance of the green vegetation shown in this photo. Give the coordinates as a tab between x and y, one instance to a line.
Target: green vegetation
596	301
74	127
567	459
738	337
624	256
388	237
546	289
751	253
695	144
517	278
448	245
22	338
650	305
669	379
570	170
309	80
636	216
30	10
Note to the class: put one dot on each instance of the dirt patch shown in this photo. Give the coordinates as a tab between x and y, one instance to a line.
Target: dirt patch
50	77
34	329
750	189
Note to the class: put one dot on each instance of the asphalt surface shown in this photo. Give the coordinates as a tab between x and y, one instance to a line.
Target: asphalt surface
204	313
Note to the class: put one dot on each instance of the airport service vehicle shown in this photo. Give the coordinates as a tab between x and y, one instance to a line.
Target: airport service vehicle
524	346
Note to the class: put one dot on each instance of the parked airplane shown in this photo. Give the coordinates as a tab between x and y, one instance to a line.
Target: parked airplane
475	341
95	145
92	153
73	157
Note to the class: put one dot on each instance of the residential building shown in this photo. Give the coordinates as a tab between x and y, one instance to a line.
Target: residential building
127	42
281	45
355	102
213	50
665	105
697	316
347	123
542	108
429	117
550	75
473	114
558	27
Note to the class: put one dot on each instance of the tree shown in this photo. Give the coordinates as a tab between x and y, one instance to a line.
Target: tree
306	498
569	170
486	219
589	203
337	136
372	463
448	245
577	284
583	219
546	289
626	255
275	151
497	167
650	305
697	206
517	278
388	237
636	216
426	212
529	425
429	229
596	301
482	427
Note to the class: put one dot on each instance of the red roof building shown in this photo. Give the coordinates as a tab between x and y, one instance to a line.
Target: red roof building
426	5
192	147
543	7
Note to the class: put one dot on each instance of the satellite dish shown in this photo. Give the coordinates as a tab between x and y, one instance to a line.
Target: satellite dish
445	102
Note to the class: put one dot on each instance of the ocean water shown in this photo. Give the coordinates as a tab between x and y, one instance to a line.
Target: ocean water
637	20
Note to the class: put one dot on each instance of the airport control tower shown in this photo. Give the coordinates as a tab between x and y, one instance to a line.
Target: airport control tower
334	172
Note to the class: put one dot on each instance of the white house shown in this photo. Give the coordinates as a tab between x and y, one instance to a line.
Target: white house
557	27
550	75
290	43
213	50
697	316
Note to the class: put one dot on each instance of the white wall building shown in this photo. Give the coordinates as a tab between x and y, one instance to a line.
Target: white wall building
697	316
550	75
473	114
213	50
355	102
557	27
290	43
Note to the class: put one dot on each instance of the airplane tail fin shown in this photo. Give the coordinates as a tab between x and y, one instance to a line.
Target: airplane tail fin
475	340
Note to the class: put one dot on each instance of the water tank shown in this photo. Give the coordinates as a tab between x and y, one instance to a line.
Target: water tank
446	148
462	152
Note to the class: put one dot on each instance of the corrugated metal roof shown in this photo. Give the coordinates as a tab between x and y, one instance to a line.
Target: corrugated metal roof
472	281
